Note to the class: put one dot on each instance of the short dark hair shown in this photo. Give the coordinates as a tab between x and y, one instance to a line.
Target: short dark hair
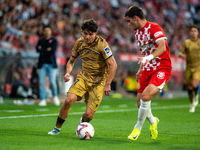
135	10
193	26
90	25
46	26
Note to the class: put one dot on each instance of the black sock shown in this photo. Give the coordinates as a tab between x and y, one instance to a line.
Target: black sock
190	95
59	122
196	91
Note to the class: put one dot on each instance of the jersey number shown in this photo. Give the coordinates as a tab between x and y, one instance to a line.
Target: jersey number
76	81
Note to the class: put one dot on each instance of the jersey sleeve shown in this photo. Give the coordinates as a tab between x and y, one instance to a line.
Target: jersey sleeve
157	33
105	50
75	54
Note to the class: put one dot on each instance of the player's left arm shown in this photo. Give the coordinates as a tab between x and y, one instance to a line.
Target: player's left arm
182	51
112	69
159	51
158	35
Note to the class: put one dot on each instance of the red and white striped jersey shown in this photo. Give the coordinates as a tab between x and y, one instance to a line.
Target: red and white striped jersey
146	39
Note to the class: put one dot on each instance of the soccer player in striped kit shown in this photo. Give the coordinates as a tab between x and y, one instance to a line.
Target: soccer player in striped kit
155	67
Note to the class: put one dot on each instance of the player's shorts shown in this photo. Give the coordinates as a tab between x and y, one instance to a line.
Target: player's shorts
191	74
158	78
93	92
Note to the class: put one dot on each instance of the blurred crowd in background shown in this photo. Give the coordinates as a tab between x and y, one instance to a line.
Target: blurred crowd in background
22	21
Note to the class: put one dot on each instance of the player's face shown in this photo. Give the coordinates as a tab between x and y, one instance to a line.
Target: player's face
47	32
132	21
194	33
88	36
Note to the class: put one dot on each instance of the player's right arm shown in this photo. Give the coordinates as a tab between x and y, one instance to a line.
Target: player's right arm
138	74
181	53
69	67
71	61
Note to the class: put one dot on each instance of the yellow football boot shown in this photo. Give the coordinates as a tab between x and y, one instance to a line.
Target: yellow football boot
153	129
134	135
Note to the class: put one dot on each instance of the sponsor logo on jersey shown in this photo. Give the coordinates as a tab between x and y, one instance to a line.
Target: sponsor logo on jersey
108	51
161	75
158	33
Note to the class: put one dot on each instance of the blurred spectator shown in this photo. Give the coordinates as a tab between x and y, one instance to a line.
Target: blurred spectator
131	85
17	72
46	47
34	81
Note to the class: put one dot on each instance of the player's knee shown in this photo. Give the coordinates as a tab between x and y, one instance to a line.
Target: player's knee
68	102
195	84
145	97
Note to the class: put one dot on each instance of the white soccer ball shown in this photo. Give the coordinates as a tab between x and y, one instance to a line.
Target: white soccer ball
85	131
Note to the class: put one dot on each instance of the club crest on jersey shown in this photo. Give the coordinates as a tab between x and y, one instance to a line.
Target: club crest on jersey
145	38
108	51
161	75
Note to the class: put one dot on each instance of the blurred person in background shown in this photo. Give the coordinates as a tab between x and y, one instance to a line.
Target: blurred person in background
46	47
130	83
191	47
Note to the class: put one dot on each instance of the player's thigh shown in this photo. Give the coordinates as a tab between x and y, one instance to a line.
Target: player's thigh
143	82
196	78
78	87
196	75
149	92
188	76
94	95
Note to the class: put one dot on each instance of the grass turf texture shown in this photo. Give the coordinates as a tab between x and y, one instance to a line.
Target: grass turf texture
113	122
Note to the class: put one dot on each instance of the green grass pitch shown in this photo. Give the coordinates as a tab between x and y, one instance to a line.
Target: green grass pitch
25	127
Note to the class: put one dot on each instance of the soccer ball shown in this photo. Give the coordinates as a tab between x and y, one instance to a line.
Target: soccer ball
85	131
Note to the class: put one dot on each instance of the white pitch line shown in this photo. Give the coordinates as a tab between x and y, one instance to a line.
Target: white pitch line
100	112
123	105
104	106
10	111
42	109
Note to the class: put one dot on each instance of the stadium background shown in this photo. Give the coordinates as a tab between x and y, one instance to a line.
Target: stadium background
21	23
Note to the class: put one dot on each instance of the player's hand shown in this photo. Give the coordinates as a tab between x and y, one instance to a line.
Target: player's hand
146	59
182	56
138	74
49	48
106	90
66	77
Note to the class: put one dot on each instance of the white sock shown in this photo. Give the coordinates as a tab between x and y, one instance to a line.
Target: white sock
150	117
142	113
